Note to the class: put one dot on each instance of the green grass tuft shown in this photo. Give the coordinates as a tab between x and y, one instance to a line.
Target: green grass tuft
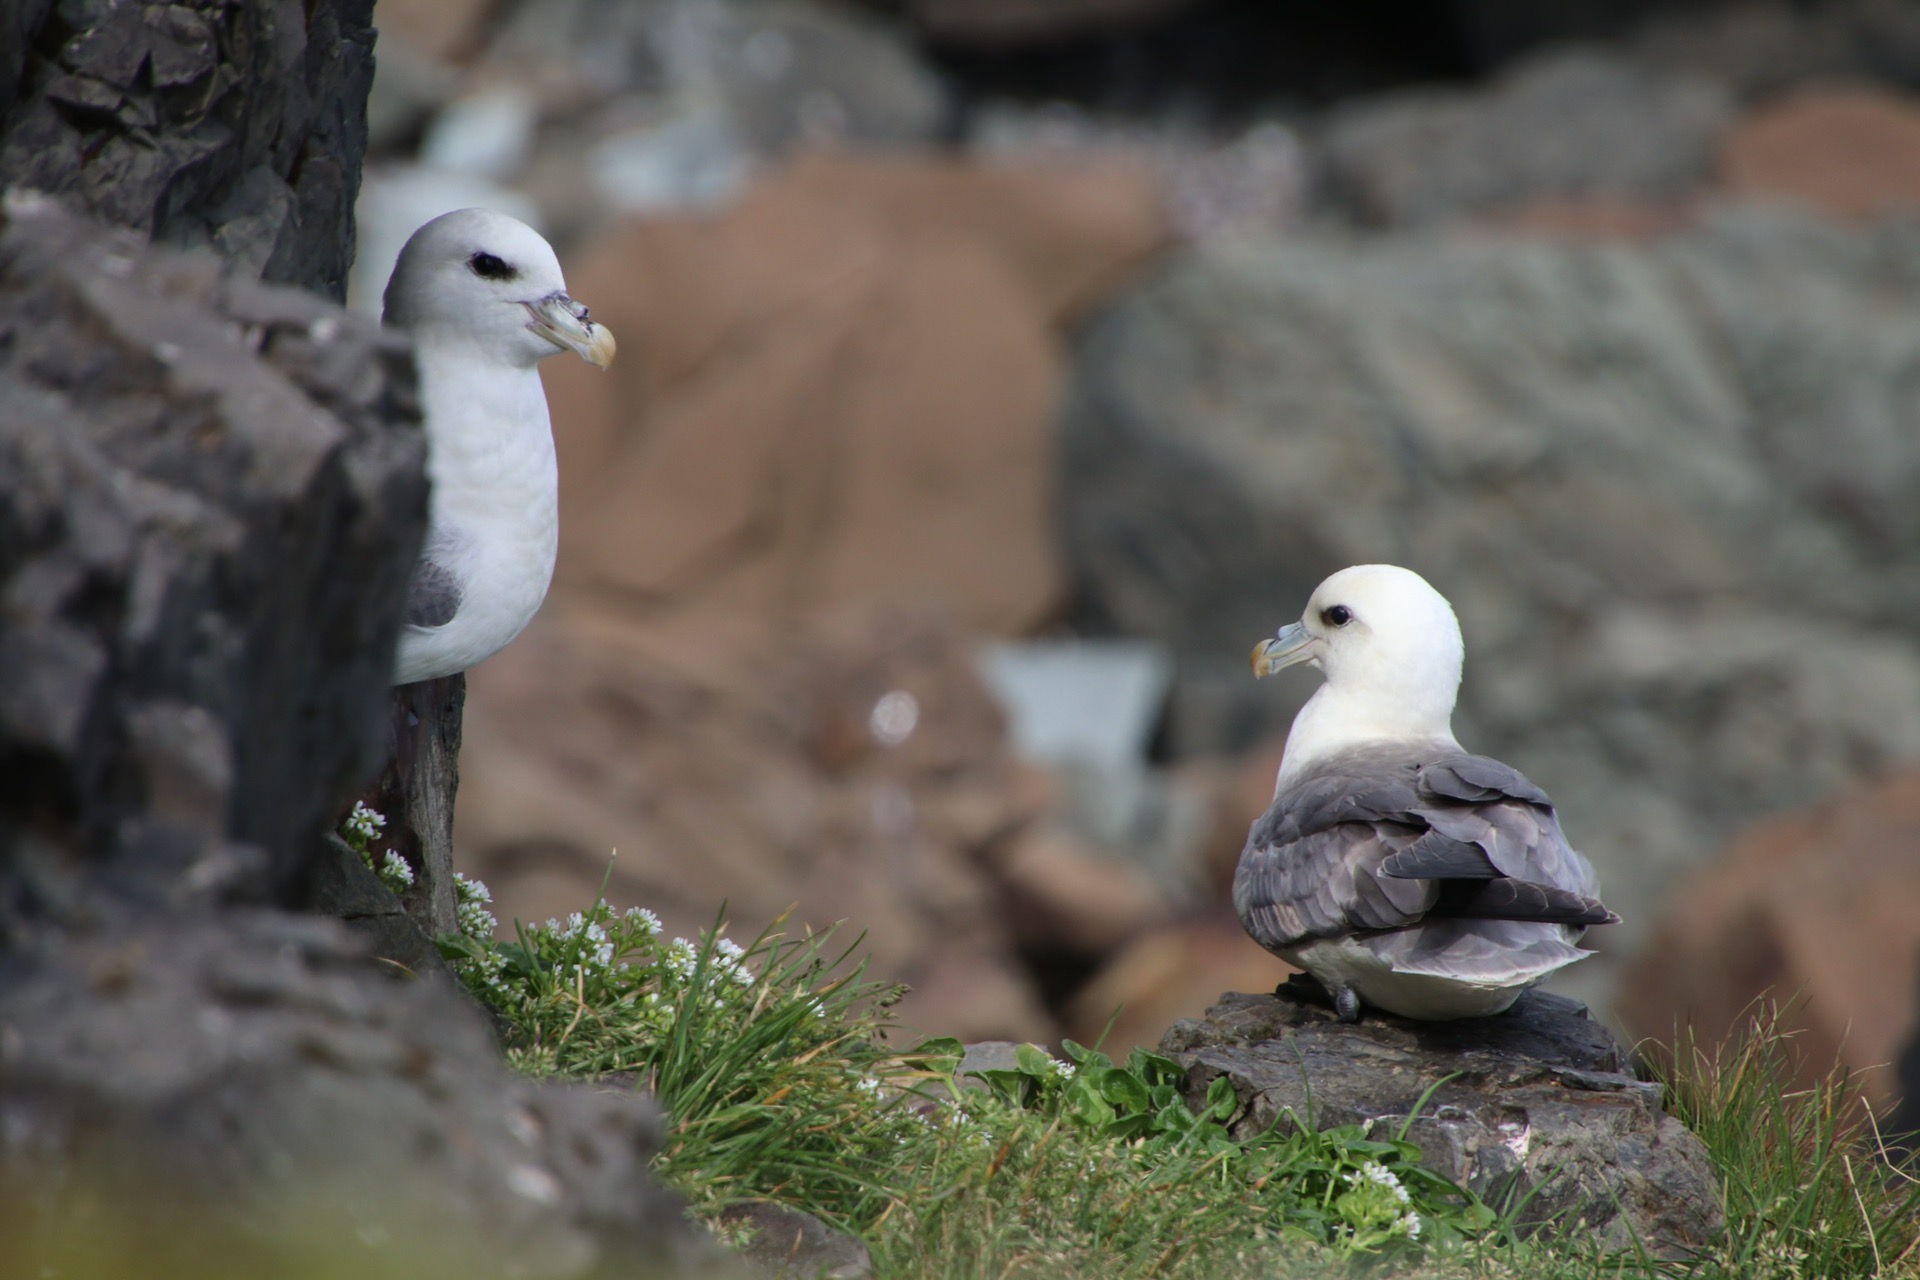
1810	1189
772	1064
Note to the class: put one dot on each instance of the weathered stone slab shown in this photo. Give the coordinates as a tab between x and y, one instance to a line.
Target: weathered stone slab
238	126
1538	1102
248	1080
211	497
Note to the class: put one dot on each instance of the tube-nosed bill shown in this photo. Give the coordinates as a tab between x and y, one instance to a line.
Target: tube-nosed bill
1293	644
567	325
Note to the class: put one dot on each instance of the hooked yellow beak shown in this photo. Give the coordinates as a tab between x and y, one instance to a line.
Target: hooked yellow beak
1293	644
567	325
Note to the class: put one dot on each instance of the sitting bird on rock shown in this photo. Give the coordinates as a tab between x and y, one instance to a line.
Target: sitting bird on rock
1395	867
482	296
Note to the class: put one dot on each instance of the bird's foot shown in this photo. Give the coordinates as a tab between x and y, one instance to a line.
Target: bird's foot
1346	1004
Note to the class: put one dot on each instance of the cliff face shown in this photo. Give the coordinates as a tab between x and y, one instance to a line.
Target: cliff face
210	501
200	123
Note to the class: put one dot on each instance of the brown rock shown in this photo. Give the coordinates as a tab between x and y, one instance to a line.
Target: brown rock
834	406
1063	892
696	752
1850	152
1820	908
1595	218
1238	792
841	390
1173	972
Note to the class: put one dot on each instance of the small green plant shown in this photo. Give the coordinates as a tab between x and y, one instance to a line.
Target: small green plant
769	1059
361	829
1342	1188
771	1063
1810	1190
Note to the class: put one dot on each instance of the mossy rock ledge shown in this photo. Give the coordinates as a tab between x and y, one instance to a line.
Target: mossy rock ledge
1542	1106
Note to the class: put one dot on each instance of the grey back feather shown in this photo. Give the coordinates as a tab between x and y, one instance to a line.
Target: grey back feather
1368	840
433	597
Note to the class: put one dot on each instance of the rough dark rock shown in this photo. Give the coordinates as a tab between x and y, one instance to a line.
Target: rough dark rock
794	1245
249	1083
1636	470
1542	1102
241	126
211	497
1577	124
345	888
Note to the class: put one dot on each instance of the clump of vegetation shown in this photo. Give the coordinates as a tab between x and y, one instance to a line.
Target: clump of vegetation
1810	1188
769	1059
772	1062
361	831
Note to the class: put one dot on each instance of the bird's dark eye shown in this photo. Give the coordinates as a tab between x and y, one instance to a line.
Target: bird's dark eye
488	267
1338	616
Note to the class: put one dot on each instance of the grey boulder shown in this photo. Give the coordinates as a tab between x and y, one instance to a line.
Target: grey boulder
1645	474
251	1082
211	497
1536	1107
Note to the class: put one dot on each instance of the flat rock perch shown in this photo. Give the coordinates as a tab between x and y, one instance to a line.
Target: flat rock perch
1543	1100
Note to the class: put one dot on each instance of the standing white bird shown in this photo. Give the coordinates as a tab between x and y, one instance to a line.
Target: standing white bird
1394	866
484	300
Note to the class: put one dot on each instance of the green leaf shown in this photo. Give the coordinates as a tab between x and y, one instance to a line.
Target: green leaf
936	1053
1035	1061
1123	1089
1080	1055
1084	1104
1154	1068
1014	1087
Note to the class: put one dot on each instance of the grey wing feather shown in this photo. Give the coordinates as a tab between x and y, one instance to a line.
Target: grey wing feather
1438	857
433	597
1379	839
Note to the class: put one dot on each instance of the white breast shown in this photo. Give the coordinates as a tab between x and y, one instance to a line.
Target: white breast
493	516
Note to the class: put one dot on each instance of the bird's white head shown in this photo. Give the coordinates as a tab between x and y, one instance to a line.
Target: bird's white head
1390	648
490	284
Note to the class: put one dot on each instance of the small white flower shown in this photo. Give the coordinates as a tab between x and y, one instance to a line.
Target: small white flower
648	922
1408	1225
1375	1172
364	822
681	957
730	958
394	867
476	921
602	947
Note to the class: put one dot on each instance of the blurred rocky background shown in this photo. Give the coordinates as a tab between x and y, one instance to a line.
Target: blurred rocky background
995	372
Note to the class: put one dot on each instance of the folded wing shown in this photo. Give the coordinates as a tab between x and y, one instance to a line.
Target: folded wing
1443	862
